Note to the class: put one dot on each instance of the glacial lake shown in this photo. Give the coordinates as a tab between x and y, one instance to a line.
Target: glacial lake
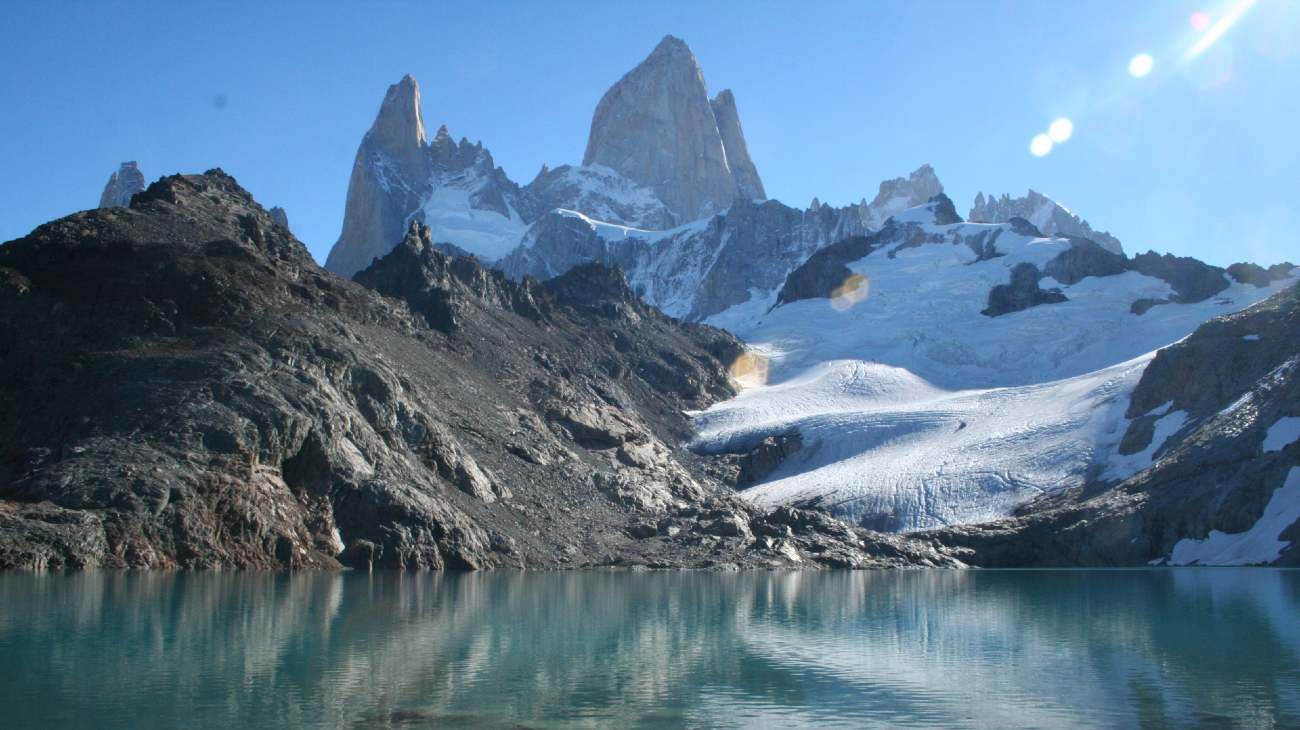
1085	648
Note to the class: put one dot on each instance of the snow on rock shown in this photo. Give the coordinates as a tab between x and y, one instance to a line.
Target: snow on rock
452	217
916	410
1049	216
922	311
1283	433
1123	466
1257	546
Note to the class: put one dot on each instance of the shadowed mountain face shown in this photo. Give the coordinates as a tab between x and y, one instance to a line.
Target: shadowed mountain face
182	386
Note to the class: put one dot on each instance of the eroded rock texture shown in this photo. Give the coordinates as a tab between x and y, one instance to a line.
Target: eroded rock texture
182	386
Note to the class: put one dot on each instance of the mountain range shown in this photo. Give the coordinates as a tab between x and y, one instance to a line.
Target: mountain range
639	360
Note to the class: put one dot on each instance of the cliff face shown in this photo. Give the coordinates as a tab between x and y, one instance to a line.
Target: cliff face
743	170
657	127
389	179
182	386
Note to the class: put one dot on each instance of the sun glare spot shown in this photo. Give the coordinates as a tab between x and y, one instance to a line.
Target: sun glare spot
1141	65
1040	145
1216	31
1060	130
749	370
1200	21
854	289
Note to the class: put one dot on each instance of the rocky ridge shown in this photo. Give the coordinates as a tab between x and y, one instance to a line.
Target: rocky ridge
207	396
1046	214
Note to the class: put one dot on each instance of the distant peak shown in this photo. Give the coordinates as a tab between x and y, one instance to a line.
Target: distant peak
671	45
400	122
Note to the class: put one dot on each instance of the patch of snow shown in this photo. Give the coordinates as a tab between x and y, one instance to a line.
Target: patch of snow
1257	546
1251	338
1121	466
452	218
1160	410
1284	432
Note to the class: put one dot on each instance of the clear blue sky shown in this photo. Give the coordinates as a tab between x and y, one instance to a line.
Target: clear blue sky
1200	157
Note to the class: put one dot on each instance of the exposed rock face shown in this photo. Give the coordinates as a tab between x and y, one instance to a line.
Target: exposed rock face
899	194
700	270
202	394
827	269
1191	279
1234	377
1049	216
657	127
127	181
453	187
1248	273
280	217
1083	259
389	179
733	143
1021	293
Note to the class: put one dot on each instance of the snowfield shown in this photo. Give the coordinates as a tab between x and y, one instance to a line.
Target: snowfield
916	410
886	448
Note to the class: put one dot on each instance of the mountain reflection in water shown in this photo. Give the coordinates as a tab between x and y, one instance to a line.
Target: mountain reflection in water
601	649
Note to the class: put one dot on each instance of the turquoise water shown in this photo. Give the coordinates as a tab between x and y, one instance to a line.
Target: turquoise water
1176	648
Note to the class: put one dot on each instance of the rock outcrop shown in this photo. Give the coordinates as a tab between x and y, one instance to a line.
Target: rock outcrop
121	185
657	127
184	387
280	217
1021	293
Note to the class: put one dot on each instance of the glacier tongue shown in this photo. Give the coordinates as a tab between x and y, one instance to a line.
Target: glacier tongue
892	452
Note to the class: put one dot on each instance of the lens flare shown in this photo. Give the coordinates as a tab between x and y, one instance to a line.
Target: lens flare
1216	31
749	370
1141	65
1060	130
1200	21
854	289
1040	145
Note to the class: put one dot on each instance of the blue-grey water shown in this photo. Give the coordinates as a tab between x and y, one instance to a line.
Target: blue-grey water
1157	648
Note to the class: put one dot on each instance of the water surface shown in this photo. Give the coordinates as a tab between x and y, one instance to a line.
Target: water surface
1176	648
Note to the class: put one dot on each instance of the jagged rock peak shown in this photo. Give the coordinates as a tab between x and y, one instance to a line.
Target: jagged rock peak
399	126
127	181
657	127
280	217
921	185
733	143
1046	214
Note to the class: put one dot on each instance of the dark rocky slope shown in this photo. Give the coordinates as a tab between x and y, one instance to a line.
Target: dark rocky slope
1234	378
182	386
